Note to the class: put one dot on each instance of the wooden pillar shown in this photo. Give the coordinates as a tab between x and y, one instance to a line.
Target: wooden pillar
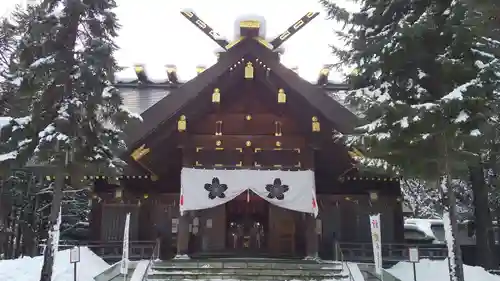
311	236
183	234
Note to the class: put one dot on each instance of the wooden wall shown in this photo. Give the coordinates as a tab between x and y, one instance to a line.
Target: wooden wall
342	216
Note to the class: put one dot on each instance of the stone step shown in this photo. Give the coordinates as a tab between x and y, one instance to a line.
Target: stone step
248	271
219	276
247	264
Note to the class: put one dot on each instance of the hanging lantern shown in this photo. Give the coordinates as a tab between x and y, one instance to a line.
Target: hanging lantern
315	124
216	96
281	96
182	124
249	71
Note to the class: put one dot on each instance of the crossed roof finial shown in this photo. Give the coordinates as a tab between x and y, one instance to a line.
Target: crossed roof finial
250	28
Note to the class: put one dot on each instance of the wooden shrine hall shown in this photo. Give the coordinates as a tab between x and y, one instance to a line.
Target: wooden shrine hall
242	160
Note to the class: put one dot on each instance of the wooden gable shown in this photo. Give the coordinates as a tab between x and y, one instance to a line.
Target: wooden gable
244	130
169	108
193	100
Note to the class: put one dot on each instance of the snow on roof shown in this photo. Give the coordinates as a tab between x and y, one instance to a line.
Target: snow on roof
425	225
28	269
438	270
157	73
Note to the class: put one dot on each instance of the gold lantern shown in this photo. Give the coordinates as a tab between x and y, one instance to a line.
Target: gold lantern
182	124
216	96
315	124
281	96
249	71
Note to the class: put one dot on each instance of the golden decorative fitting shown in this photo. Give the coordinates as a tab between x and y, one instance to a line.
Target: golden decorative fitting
248	143
248	117
249	71
139	68
250	24
154	177
315	124
182	124
145	196
216	96
278	144
200	69
281	96
277	129
140	152
218	128
218	143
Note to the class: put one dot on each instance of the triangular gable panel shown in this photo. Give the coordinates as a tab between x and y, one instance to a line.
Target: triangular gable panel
167	107
331	109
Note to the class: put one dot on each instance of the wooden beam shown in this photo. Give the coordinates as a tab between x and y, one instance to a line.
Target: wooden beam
294	28
210	32
239	141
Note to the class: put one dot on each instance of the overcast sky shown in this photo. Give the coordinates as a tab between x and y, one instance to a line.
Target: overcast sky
155	33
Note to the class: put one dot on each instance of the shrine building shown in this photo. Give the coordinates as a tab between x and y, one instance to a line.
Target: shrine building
242	160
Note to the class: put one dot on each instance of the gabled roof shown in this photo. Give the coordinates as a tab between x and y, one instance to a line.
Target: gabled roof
171	104
166	108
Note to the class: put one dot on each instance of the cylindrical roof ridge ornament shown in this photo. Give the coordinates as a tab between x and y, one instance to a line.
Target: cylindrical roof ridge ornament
250	26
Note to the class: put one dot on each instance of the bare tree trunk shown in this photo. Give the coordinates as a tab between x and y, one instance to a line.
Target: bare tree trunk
49	251
485	241
450	221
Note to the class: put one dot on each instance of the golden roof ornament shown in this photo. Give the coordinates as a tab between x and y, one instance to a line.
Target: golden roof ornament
140	152
249	71
216	96
182	124
315	124
281	96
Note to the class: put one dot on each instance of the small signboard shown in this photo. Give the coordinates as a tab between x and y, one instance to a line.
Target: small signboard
74	255
413	254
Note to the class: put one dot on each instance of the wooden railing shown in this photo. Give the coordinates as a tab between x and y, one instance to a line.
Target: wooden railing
355	252
363	252
111	251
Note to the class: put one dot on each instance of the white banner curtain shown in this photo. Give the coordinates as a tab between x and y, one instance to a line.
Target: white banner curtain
203	189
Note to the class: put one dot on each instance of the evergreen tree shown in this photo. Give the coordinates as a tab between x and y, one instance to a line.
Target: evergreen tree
70	116
426	83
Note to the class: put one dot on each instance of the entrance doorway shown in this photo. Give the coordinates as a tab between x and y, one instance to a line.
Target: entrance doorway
247	225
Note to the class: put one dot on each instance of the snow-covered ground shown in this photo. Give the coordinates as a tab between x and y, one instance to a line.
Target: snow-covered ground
428	270
28	269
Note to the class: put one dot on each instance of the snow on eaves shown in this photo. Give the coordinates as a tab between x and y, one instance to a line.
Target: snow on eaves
157	73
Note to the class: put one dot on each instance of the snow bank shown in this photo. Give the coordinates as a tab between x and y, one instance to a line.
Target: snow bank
28	269
438	270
